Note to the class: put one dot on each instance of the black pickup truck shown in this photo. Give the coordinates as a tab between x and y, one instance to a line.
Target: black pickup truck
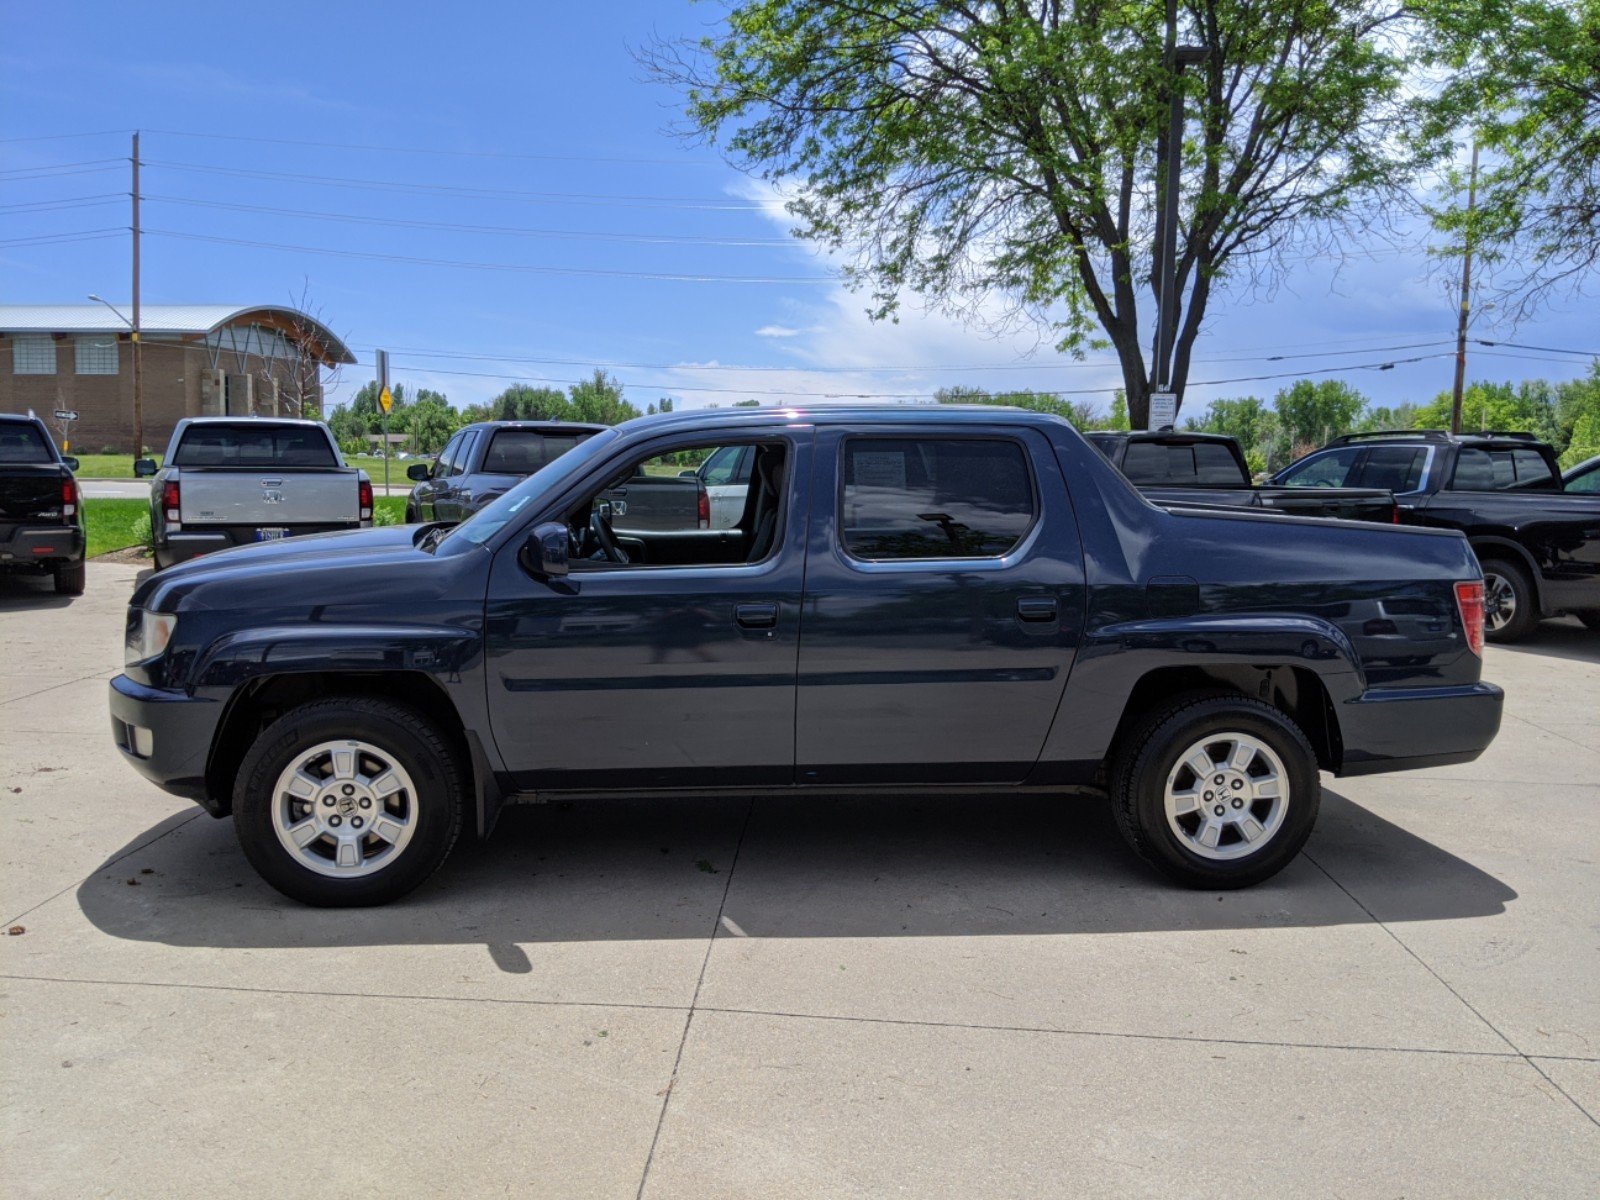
1539	545
1209	468
485	460
41	510
965	599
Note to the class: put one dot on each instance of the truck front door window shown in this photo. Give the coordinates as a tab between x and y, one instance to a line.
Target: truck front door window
1323	470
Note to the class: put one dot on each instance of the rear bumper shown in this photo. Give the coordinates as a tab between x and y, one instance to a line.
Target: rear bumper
1401	730
38	544
166	737
182	545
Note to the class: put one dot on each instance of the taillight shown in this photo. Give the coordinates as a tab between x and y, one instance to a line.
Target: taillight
69	498
1394	514
364	499
705	509
171	501
1469	602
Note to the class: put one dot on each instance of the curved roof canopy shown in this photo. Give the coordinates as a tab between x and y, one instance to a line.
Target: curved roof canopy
190	319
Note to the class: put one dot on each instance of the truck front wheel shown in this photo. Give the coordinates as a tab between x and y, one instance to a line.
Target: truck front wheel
349	802
1216	791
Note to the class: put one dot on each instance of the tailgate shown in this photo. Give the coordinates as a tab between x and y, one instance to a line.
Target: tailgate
30	493
248	496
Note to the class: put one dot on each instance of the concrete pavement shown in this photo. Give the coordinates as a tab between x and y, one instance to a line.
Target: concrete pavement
843	997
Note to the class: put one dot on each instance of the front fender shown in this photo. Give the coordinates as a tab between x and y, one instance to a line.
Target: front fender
235	658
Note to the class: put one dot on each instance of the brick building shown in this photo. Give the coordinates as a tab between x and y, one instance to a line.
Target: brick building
197	360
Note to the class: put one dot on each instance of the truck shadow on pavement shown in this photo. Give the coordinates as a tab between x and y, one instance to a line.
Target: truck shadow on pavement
865	867
1565	638
19	592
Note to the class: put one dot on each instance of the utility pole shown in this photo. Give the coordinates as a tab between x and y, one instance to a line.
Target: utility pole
1176	58
1466	298
138	349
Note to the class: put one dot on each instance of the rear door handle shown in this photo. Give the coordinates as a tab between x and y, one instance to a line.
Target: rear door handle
1037	608
756	616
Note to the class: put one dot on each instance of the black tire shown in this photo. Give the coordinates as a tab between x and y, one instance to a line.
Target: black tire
1591	620
1151	753
411	515
1518	587
69	578
401	733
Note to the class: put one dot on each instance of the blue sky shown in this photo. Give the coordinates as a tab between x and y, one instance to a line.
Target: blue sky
625	239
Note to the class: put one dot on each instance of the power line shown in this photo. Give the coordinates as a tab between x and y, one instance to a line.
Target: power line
30	206
88	162
373	256
46	239
1542	349
455	153
51	137
1100	364
59	174
532	197
453	227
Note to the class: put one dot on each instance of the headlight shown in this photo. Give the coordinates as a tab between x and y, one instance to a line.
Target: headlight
148	636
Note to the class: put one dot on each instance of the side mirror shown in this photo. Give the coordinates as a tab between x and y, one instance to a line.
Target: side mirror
689	473
144	467
70	462
546	550
421	472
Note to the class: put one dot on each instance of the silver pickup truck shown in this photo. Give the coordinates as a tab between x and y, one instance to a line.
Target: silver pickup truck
231	481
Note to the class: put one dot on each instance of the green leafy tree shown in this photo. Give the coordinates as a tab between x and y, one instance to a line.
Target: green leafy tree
430	422
1529	406
599	399
520	402
965	150
1312	412
1525	76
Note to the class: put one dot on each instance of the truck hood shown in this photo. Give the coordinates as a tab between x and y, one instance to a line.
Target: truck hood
318	568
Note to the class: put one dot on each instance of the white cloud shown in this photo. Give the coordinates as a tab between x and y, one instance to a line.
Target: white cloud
778	331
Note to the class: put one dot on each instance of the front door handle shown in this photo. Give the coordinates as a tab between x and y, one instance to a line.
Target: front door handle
1037	608
756	616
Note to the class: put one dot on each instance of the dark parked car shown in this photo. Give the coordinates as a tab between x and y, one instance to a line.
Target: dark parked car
965	599
486	460
1209	468
41	510
1539	545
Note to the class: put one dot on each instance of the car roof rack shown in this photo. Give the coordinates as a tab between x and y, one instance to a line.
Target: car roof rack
1378	435
1516	435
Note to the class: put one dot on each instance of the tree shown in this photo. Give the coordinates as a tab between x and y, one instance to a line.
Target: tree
430	422
1526	79
599	399
967	150
1310	413
519	402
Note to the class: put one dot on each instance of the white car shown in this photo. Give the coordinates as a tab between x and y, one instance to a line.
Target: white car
726	475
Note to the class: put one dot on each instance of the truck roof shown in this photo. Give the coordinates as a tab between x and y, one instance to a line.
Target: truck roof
1177	437
841	414
1441	436
539	426
252	419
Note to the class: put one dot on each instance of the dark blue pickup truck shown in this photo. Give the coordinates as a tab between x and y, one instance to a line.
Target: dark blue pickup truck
959	599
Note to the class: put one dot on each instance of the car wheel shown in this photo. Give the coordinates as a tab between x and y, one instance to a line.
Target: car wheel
1216	791
1509	609
1591	620
69	579
349	802
411	515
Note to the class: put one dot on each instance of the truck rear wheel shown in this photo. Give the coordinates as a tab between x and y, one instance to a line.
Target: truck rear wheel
69	579
1510	610
349	802
1216	791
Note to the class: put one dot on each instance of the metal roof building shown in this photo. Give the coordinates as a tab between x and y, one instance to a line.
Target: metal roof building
194	360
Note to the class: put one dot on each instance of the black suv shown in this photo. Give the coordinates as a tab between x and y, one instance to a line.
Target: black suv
1539	545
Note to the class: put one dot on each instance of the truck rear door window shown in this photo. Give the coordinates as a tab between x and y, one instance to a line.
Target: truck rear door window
1215	466
1395	468
253	446
524	451
910	498
1501	469
22	444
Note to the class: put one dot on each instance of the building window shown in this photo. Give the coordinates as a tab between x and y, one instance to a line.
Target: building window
33	354
97	355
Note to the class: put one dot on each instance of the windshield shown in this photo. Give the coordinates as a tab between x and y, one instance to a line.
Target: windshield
21	443
252	445
491	519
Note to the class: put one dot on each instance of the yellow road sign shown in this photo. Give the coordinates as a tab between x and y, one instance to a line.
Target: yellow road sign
386	400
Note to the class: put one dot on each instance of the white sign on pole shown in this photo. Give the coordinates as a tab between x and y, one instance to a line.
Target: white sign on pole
1163	409
66	414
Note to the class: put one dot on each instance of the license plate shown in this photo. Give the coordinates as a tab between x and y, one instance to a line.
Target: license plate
272	533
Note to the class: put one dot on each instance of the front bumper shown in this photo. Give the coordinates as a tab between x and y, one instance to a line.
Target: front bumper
1402	729
41	544
166	736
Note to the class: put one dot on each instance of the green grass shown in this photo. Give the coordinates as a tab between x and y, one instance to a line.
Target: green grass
115	524
106	466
